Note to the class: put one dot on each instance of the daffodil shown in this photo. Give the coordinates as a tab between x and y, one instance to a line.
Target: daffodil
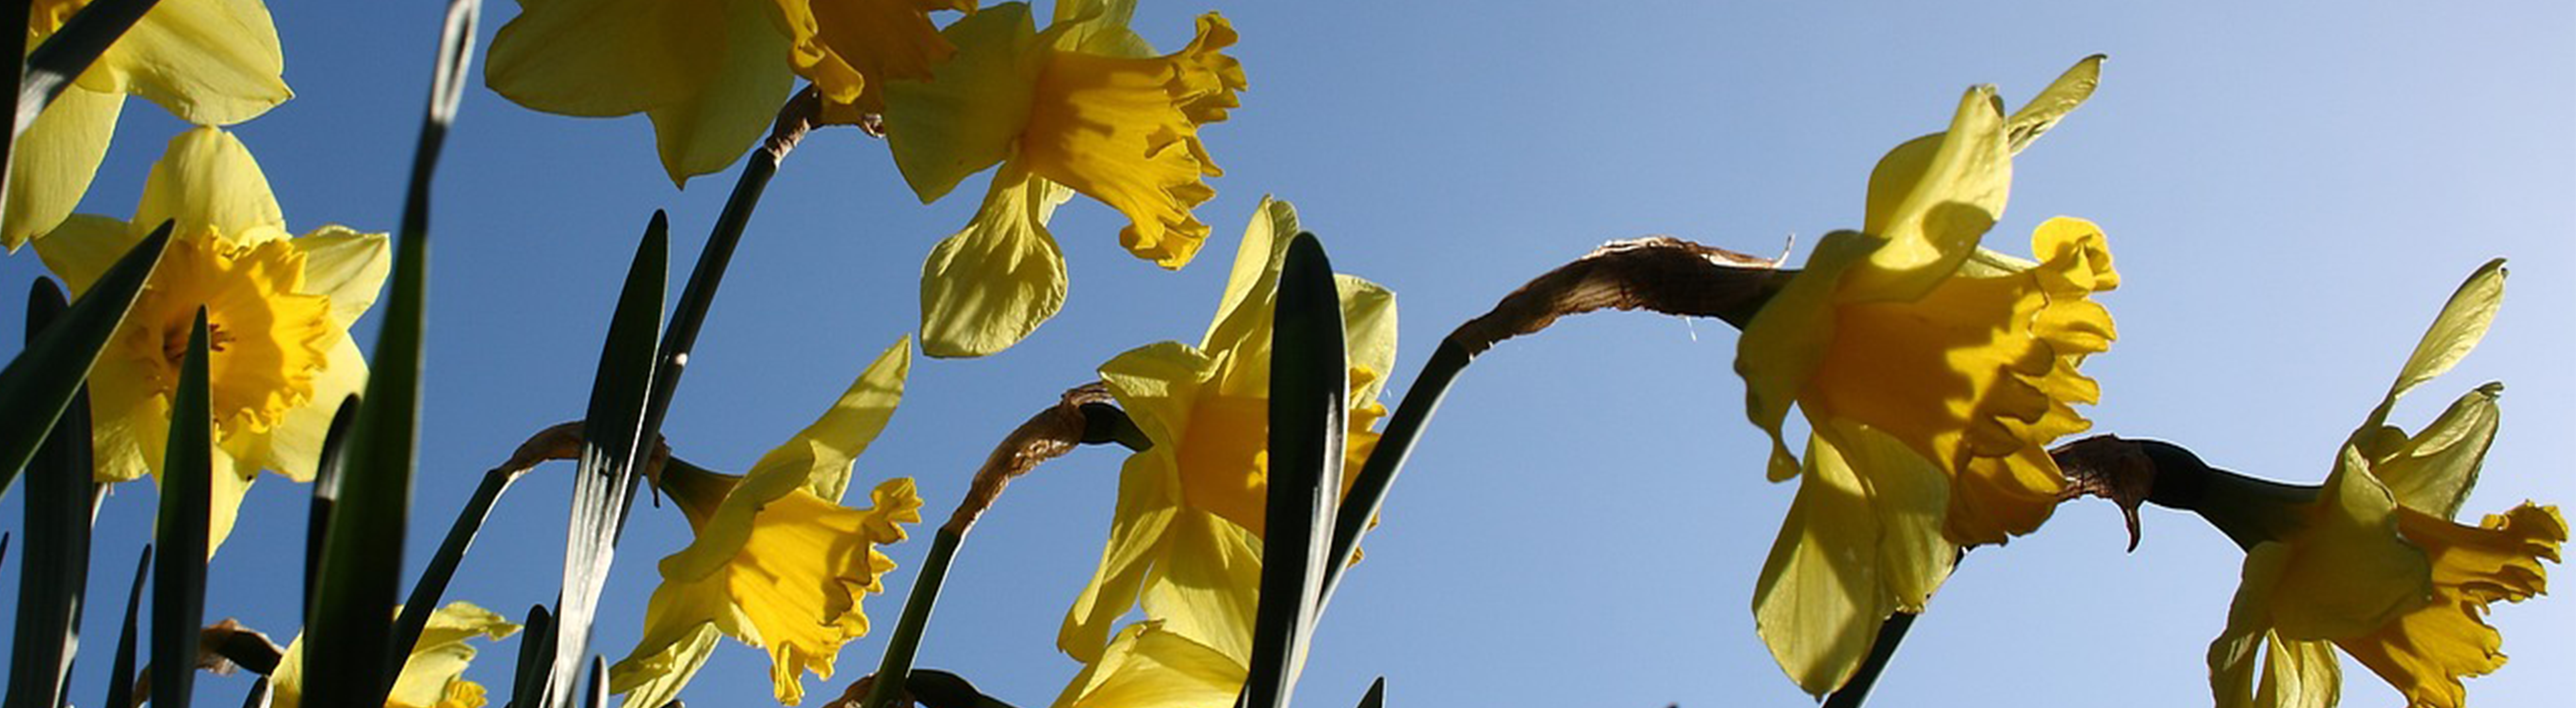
2375	565
1932	373
1150	666
432	677
210	62
778	563
710	74
1084	106
1184	540
278	311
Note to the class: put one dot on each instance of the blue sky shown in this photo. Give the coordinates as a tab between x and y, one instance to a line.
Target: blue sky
2290	191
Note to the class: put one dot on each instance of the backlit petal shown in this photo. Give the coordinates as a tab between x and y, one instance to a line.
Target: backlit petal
993	283
55	160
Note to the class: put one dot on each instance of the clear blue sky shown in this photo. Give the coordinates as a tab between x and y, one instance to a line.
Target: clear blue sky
2290	192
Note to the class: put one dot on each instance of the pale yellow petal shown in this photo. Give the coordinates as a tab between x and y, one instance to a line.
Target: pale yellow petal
2463	321
1368	333
1932	199
83	248
1148	667
1254	281
968	115
821	455
603	58
347	266
991	285
2434	470
1910	497
655	679
2349	572
439	659
2053	103
223	502
207	178
294	446
1821	595
1148	501
211	62
1210	587
1787	340
2250	666
55	160
718	124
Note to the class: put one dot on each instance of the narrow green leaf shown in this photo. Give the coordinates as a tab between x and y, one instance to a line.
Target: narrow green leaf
1856	691
326	490
120	674
1376	696
347	640
187	487
70	51
40	383
536	654
894	669
612	435
432	586
54	566
597	697
1309	385
1369	489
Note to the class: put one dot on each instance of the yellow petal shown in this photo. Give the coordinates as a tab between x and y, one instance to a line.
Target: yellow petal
294	446
211	62
1820	598
431	673
1211	586
1787	340
208	179
223	502
130	420
1148	501
820	456
2425	652
347	266
84	247
602	58
788	571
1909	496
969	114
1149	667
2463	321
717	124
654	674
1368	334
2250	665
849	49
993	283
1125	132
2053	103
1932	199
2348	571
2433	471
55	160
1256	272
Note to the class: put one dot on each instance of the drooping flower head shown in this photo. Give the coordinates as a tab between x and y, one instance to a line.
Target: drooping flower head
432	677
278	311
1184	542
2375	564
1932	374
778	563
1084	105
210	62
711	74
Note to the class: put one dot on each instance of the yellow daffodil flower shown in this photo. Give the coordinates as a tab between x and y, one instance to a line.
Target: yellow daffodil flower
210	62
434	675
1184	540
778	563
1084	106
278	311
1933	375
2376	566
709	73
1149	666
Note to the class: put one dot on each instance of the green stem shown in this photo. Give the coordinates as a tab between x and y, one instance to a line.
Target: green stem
900	648
1856	690
432	586
1368	491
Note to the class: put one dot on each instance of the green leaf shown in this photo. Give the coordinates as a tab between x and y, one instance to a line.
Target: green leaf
40	383
427	592
1309	385
326	491
1369	489
612	437
535	660
120	674
68	52
54	565
1376	696
187	487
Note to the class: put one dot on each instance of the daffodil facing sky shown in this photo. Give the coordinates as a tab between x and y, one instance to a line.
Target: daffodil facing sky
1184	542
210	62
278	311
1933	374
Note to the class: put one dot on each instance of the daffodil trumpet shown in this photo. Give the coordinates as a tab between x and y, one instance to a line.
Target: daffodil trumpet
1085	415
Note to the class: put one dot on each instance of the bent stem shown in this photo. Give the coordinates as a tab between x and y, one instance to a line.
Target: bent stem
1658	274
1084	416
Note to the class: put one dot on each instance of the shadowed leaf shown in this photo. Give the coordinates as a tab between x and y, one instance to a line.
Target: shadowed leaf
40	383
1309	382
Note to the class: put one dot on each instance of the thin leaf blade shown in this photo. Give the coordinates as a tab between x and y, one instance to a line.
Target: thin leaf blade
54	565
40	382
187	489
612	434
1309	388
